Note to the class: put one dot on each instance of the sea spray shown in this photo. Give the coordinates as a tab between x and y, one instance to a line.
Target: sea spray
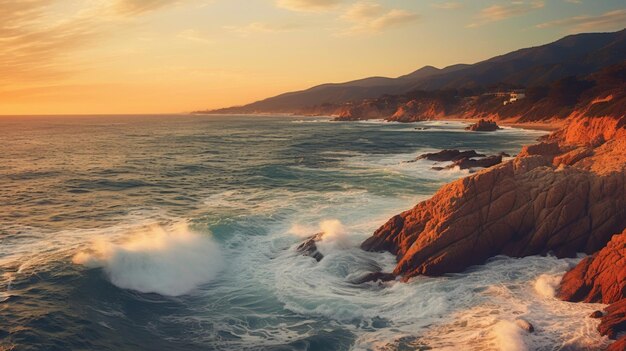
156	260
509	336
546	284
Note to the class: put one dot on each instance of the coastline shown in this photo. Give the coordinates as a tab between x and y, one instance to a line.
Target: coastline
564	195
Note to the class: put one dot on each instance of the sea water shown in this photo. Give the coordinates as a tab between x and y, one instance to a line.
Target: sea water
179	233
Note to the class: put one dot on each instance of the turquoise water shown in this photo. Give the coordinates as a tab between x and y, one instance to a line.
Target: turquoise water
178	233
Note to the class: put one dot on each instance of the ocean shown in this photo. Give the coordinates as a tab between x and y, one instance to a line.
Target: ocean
179	233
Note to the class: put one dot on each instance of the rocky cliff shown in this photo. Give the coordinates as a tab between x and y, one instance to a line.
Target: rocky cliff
602	278
563	196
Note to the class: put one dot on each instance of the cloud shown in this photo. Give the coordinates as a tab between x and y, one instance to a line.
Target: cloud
369	17
39	37
34	44
496	13
195	36
606	21
134	7
447	5
307	5
574	1
262	27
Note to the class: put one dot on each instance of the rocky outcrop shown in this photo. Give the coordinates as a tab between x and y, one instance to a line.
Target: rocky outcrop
368	109
601	278
309	247
419	110
449	155
375	277
484	162
598	278
483	125
523	207
613	323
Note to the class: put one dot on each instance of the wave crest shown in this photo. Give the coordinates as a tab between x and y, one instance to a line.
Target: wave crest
155	260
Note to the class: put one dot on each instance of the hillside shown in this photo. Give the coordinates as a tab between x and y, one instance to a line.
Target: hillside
574	55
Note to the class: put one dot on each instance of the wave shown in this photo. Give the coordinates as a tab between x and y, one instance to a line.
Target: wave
169	263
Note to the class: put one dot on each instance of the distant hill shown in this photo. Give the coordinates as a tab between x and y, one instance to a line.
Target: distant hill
574	55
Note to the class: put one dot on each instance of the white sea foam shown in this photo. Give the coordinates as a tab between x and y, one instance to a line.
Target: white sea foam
169	263
509	336
546	284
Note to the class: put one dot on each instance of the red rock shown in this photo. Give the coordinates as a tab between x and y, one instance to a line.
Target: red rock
596	314
550	149
523	207
619	345
598	278
614	321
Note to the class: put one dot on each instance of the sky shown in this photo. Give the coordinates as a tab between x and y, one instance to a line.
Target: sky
175	56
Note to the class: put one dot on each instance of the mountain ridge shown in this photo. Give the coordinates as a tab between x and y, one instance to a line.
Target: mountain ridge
576	54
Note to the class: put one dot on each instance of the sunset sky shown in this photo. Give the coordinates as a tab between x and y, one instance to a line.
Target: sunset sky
169	56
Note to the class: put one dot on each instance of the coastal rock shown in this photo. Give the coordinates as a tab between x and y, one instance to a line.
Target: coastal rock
619	345
614	321
483	125
596	314
449	155
571	157
485	162
374	277
367	109
309	247
522	207
598	278
546	149
419	110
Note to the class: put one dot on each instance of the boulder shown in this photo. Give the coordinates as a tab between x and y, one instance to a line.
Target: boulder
449	155
309	247
374	277
483	126
485	162
596	314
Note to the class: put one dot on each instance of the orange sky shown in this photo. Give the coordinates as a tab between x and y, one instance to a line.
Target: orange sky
167	56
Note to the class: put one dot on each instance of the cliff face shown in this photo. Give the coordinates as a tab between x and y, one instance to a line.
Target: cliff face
562	198
602	278
598	278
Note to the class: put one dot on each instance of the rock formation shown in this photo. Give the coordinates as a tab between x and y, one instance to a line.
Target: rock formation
563	196
598	278
483	126
484	162
449	155
523	207
309	247
601	278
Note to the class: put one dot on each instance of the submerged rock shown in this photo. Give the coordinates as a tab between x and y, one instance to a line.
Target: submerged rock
483	126
596	314
449	155
374	277
309	247
485	162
